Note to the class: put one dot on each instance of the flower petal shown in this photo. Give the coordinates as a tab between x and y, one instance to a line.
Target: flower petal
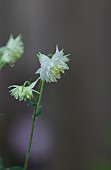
43	58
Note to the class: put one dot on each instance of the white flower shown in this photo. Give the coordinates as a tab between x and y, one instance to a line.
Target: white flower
52	67
13	50
23	92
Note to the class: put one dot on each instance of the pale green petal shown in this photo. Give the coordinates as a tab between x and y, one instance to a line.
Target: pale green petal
58	54
32	85
57	49
43	58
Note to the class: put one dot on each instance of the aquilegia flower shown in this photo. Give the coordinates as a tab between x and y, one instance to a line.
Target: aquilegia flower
13	50
23	92
52	67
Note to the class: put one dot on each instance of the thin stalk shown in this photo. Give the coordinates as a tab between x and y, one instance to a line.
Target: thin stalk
33	124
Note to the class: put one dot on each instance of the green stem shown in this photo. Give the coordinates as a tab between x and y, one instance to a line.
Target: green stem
33	124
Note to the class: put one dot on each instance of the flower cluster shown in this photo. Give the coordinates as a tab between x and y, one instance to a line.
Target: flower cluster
50	71
13	50
23	92
52	67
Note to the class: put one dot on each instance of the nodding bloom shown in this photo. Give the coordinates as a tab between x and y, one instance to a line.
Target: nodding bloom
23	92
13	50
52	67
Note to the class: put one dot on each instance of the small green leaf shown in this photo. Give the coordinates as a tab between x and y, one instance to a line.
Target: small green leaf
1	164
39	111
15	168
31	103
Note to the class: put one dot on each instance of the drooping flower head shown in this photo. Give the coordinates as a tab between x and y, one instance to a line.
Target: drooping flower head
13	50
51	68
23	92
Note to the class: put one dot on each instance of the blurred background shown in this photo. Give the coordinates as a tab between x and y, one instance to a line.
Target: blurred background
74	130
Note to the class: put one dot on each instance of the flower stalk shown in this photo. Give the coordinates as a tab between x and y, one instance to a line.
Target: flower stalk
34	117
51	68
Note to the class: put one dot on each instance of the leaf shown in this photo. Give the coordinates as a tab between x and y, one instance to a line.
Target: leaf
31	103
39	111
1	164
15	168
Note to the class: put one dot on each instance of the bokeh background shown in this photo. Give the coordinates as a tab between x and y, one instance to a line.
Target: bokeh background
74	131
